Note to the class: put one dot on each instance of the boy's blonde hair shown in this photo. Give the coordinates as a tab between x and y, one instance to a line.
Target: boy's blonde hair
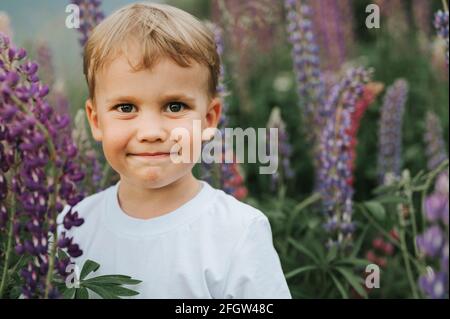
161	31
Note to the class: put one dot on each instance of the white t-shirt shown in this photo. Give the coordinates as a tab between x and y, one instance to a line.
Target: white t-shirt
213	246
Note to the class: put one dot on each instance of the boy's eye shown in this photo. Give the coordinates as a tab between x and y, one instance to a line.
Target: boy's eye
126	108
175	107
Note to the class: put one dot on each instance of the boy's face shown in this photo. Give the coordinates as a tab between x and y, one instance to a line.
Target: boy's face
135	112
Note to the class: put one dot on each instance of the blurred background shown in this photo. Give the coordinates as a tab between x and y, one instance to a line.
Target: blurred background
263	77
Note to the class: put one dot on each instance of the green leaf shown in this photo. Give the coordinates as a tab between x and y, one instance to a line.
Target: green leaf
88	267
102	292
69	293
332	253
113	279
354	261
120	291
392	199
313	223
385	189
62	254
304	250
376	209
81	293
353	281
359	241
339	286
300	270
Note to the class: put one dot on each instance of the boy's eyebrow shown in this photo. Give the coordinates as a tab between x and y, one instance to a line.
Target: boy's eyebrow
177	96
164	98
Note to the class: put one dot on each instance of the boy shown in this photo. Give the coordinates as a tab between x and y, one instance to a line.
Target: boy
159	224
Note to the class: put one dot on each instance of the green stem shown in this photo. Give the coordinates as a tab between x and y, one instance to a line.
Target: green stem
404	250
5	277
412	214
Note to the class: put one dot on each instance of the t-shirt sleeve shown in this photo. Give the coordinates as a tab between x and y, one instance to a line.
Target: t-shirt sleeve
255	270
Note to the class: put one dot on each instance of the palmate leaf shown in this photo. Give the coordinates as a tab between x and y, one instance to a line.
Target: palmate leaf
339	286
300	270
88	267
106	286
376	209
353	280
304	250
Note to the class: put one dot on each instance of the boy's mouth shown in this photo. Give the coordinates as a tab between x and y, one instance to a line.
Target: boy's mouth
149	156
152	154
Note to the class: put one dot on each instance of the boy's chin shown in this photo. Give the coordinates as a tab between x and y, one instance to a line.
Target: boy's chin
155	180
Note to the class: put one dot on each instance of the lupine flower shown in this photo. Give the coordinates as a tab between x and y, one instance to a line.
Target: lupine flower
333	21
226	176
370	93
390	128
436	207
441	186
380	252
334	174
305	53
90	16
435	285
250	25
44	59
37	155
441	25
434	141
433	243
284	148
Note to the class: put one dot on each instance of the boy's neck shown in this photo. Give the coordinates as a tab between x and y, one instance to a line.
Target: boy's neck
150	203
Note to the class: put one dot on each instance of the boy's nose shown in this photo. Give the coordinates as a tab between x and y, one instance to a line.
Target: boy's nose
151	129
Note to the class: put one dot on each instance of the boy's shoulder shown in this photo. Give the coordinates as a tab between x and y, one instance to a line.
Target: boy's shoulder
227	210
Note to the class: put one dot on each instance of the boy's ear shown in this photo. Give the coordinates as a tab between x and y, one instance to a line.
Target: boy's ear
91	112
213	115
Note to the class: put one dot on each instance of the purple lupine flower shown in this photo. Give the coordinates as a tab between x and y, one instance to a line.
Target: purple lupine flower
333	21
436	207
251	26
284	148
44	58
441	25
435	285
441	186
305	54
90	16
390	128
33	135
431	242
335	175
434	141
444	256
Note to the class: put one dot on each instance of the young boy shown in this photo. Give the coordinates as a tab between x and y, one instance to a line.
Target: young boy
159	224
